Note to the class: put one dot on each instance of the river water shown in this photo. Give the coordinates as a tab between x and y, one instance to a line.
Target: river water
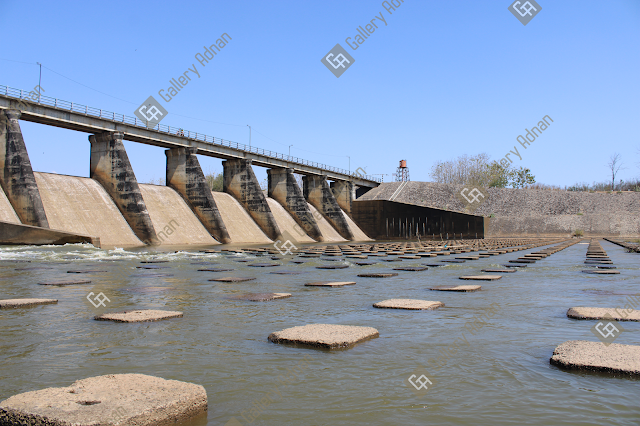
500	375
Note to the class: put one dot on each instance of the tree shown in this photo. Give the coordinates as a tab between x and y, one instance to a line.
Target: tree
462	170
520	178
478	169
498	175
614	164
215	181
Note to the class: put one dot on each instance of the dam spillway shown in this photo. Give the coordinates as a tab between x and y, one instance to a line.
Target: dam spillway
241	228
111	209
81	205
170	213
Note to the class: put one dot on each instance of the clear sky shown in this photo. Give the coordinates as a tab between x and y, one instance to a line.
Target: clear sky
440	79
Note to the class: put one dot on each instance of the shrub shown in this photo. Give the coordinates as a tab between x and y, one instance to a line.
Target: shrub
578	233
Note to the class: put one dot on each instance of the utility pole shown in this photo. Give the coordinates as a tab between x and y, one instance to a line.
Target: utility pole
39	82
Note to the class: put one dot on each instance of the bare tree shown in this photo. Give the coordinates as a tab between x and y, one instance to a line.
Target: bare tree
615	165
465	169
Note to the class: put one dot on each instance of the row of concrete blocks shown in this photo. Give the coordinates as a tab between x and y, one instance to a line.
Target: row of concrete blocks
110	166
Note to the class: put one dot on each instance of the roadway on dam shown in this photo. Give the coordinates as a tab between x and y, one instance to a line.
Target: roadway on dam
74	116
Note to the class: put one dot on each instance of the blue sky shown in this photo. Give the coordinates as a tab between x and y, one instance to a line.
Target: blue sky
441	79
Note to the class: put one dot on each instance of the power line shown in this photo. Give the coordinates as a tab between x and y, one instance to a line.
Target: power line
177	115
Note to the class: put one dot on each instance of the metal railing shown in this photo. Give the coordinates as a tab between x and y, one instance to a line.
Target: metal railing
161	128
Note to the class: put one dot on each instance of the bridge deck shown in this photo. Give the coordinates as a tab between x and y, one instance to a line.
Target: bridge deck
69	115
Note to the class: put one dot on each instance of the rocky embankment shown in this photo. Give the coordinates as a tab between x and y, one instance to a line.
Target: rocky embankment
528	211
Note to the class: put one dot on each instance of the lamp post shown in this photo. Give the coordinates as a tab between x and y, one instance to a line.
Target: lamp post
249	135
290	150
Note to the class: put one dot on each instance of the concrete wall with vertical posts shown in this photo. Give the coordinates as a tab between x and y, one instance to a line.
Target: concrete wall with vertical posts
318	193
186	177
16	175
242	184
111	168
285	190
344	193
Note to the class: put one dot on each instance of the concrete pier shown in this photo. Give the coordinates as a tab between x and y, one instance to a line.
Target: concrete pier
16	175
344	193
186	177
111	168
318	193
240	181
284	189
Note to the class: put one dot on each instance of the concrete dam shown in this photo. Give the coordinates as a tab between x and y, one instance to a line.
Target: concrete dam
111	209
81	206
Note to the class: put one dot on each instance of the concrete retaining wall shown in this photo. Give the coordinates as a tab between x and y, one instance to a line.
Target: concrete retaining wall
530	212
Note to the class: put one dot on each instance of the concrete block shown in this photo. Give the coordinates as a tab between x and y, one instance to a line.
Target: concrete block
463	288
261	297
115	399
411	304
22	303
325	336
330	284
143	315
594	356
232	279
379	275
481	277
618	314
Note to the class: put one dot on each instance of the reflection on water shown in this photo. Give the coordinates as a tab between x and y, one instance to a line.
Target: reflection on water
495	374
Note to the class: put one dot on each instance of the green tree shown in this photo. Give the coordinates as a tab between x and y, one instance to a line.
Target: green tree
520	178
215	181
498	176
